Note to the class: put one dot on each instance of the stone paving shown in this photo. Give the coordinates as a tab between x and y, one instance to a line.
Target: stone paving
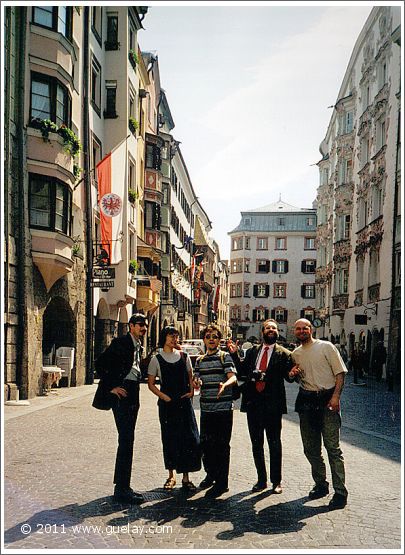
59	456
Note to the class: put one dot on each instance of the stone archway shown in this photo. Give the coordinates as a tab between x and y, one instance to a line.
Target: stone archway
58	330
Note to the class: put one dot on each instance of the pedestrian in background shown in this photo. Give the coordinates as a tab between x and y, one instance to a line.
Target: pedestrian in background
263	371
356	361
321	374
180	437
215	374
378	359
119	370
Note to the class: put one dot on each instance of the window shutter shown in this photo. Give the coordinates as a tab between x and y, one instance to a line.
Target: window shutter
273	313
267	266
285	315
303	266
254	315
266	314
267	290
286	266
302	313
274	266
255	291
303	291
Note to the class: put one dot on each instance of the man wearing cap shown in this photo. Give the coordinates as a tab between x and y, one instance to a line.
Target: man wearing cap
119	371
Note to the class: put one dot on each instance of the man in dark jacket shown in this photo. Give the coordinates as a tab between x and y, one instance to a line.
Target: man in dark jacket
119	371
264	369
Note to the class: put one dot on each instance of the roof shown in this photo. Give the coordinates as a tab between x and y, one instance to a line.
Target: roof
279	206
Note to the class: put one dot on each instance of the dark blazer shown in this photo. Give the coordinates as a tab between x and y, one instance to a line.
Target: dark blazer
112	366
279	365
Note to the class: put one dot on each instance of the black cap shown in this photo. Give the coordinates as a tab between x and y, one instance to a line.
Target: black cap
138	319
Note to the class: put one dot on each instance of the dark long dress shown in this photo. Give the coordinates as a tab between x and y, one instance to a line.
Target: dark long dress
180	437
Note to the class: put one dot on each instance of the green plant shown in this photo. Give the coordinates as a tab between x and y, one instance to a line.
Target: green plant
133	124
77	170
133	266
133	195
70	140
133	58
46	126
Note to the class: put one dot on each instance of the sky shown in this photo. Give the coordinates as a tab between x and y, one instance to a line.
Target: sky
250	89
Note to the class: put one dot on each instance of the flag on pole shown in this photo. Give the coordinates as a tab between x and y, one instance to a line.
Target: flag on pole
111	175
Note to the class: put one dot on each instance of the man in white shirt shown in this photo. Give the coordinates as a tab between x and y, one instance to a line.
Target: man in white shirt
321	374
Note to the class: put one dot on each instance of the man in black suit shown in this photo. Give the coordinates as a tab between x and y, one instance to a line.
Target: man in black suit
263	371
119	371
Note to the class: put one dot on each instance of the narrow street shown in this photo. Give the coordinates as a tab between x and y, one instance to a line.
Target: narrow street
59	458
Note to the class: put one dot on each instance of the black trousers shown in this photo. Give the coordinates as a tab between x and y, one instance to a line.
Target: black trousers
215	437
260	420
125	414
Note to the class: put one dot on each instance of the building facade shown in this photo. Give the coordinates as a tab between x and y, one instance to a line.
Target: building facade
358	202
272	269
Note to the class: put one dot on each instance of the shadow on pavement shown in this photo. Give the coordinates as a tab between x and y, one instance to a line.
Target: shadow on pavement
239	510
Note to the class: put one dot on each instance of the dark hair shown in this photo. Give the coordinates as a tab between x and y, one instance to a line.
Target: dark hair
138	318
168	330
212	327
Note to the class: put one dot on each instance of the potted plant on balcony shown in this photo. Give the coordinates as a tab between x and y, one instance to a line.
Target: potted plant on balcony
133	124
70	140
133	266
133	58
133	195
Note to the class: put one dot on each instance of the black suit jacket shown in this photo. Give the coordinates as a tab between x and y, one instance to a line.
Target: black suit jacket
112	366
279	365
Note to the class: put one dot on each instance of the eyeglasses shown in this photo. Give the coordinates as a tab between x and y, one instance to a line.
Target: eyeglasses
210	336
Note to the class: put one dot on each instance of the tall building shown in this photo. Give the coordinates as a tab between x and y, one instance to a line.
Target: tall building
272	269
358	196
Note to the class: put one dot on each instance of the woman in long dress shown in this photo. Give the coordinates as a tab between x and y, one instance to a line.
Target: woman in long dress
180	437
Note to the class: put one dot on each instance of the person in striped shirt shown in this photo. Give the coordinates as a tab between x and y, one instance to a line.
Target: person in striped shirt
215	373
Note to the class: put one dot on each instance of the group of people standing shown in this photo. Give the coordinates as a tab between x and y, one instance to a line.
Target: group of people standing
261	375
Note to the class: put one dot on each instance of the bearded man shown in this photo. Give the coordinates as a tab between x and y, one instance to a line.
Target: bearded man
263	371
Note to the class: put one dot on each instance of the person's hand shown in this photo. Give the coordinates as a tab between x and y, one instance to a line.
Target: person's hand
221	389
232	346
334	404
197	383
188	395
165	398
120	392
295	371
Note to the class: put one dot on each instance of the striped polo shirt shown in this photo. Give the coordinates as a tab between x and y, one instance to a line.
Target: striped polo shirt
212	371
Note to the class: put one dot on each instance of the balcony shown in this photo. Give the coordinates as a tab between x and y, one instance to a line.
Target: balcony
148	295
48	152
52	254
153	239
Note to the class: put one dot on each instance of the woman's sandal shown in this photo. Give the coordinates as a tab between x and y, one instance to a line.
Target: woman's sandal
188	486
169	484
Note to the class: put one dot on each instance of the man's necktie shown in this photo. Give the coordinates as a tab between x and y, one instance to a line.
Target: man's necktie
263	367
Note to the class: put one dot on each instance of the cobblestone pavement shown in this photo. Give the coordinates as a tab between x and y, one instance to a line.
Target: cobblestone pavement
59	455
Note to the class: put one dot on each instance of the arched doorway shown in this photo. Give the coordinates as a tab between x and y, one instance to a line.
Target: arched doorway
58	330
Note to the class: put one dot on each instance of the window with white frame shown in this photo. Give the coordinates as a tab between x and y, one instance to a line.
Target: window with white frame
359	273
377	201
280	290
49	99
235	313
343	227
236	289
309	243
308	314
56	18
280	266
261	314
96	22
308	291
261	243
374	267
381	133
95	84
308	266
365	150
237	243
281	243
263	266
262	290
280	315
344	171
236	265
341	281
